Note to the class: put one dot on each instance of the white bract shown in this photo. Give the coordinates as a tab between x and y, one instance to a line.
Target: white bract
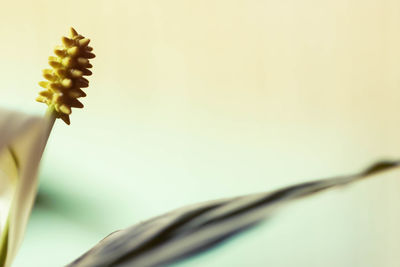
22	141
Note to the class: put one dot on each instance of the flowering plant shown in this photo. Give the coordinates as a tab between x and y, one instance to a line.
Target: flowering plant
158	241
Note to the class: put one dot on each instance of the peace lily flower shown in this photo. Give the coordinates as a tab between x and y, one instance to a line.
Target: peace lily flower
23	138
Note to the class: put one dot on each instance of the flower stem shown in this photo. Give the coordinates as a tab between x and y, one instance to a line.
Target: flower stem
50	118
4	243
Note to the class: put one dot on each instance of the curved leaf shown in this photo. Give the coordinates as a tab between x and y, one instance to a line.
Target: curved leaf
190	230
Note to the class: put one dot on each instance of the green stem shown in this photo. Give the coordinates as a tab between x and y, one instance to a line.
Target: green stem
4	244
50	117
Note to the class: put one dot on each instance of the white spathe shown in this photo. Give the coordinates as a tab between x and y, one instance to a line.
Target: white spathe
22	141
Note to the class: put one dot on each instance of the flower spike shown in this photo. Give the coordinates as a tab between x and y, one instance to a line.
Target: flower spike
64	80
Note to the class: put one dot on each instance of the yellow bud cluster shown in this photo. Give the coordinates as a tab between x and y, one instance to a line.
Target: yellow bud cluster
65	79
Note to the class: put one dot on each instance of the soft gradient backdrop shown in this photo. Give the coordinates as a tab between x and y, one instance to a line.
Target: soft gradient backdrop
195	100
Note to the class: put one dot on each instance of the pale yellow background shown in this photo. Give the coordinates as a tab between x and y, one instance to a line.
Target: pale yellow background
194	100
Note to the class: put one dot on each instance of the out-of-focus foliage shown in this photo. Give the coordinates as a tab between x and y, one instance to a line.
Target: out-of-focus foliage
190	230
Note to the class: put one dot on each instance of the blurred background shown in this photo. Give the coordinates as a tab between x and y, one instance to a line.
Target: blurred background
197	100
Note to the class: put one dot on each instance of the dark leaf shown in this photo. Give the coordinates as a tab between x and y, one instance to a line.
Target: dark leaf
190	230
